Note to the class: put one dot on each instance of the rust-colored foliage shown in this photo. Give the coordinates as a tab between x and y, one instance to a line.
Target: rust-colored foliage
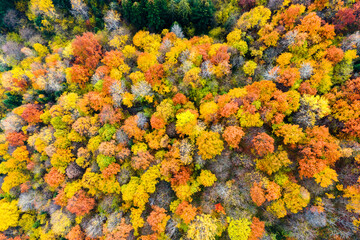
257	194
87	50
182	176
111	170
154	74
179	98
79	75
229	109
131	129
121	232
113	59
348	18
290	15
186	212
54	178
233	135
76	234
320	151
273	191
289	76
142	160
93	100
158	219
61	198
31	114
157	122
80	204
16	138
109	115
220	56
334	54
305	88
263	144
257	229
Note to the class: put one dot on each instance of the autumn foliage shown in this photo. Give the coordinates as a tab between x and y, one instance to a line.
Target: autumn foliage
183	119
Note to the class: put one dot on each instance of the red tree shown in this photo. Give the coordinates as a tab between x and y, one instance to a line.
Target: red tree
87	50
263	144
80	204
31	114
16	138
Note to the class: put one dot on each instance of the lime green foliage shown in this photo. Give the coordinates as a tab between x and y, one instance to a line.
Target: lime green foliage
239	229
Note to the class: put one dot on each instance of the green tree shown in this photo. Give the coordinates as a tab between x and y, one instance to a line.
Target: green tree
156	14
184	12
12	100
202	15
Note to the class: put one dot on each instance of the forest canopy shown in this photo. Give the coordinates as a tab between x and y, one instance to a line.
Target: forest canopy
179	119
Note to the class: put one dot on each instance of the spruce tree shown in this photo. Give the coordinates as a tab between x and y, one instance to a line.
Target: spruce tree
202	15
184	12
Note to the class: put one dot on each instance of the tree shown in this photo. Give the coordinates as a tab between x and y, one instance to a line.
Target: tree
12	100
289	76
229	109
142	160
209	144
137	12
157	122
184	12
233	135
186	211
249	67
121	232
54	178
61	223
202	15
78	74
326	177
348	18
296	197
158	219
80	204
273	162
239	229
87	50
186	122
31	114
78	7
156	15
16	138
177	29
263	144
318	152
257	194
112	20
41	7
257	229
76	234
206	178
256	17
203	227
334	54
292	134
9	214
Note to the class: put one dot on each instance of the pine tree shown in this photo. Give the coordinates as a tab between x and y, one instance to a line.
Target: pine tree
139	14
172	10
157	11
184	12
202	15
126	9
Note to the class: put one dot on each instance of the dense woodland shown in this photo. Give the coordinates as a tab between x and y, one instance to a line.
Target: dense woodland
180	119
